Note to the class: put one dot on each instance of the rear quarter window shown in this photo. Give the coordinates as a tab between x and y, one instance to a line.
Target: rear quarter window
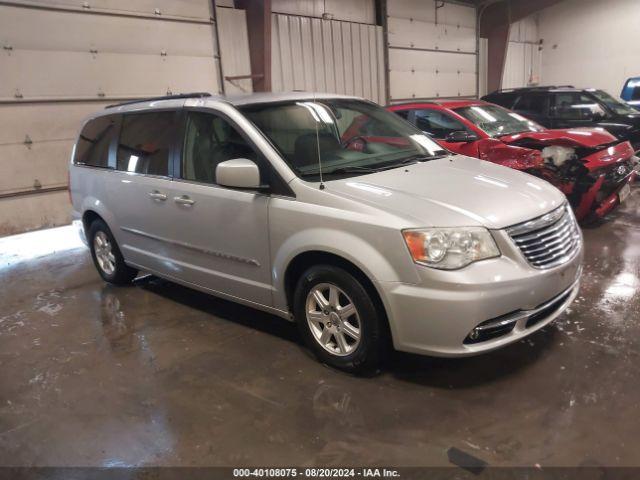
92	148
533	103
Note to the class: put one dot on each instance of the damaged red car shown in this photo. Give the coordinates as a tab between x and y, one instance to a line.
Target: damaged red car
590	166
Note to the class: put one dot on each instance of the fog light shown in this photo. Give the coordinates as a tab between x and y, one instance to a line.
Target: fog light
475	333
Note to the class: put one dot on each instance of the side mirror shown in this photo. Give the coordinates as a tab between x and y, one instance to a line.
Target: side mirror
238	173
461	136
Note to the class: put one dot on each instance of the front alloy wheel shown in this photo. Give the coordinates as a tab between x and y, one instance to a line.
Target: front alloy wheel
333	319
339	319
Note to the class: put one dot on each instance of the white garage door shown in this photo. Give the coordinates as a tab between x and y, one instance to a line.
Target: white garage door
432	49
63	59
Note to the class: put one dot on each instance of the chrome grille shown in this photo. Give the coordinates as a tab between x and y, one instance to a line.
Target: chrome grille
549	240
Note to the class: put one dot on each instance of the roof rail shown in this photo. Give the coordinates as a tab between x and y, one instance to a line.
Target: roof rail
166	97
532	87
404	101
500	90
546	87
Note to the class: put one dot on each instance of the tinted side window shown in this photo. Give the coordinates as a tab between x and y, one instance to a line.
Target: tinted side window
145	142
209	140
576	106
93	145
402	113
532	103
436	123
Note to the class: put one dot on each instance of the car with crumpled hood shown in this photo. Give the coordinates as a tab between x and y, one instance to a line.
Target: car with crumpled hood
589	165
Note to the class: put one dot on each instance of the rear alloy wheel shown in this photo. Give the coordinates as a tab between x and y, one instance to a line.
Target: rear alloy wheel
104	253
339	320
107	256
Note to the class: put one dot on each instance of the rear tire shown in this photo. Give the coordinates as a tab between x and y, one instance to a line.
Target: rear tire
106	255
338	320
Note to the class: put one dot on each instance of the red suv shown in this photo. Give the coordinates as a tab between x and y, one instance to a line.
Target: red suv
590	166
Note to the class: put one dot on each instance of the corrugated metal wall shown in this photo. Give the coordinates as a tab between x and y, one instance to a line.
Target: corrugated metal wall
312	54
432	49
359	11
63	59
524	55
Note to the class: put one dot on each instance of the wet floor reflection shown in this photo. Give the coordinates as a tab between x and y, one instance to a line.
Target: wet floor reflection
117	327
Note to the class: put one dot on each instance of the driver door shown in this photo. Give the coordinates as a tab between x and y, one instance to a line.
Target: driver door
438	124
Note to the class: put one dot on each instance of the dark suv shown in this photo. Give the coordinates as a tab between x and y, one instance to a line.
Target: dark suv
569	107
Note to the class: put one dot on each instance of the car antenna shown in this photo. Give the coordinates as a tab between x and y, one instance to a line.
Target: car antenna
318	143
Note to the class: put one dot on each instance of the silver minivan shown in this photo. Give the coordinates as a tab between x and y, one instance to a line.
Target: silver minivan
331	212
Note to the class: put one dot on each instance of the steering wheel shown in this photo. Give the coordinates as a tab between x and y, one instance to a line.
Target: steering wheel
357	143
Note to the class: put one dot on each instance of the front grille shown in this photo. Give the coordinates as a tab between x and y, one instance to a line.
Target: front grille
549	240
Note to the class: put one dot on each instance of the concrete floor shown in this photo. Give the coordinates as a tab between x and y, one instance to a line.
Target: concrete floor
156	374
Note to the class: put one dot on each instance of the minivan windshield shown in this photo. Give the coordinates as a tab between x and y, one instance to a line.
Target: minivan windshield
340	137
497	121
617	106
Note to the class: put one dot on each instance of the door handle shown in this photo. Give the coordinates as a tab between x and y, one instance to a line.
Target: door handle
184	200
156	195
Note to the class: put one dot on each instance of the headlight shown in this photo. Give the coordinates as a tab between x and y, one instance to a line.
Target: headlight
450	248
557	154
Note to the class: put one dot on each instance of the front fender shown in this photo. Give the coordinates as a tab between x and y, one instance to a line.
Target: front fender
357	250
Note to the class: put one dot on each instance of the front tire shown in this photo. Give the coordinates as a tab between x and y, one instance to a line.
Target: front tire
106	255
338	319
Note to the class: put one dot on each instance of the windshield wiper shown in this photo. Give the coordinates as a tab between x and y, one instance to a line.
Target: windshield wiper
360	169
413	159
418	158
352	169
437	157
424	158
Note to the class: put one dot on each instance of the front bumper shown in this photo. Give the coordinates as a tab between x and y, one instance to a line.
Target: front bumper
437	316
612	200
596	193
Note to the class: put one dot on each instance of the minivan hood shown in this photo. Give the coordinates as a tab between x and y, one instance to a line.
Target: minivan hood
454	191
